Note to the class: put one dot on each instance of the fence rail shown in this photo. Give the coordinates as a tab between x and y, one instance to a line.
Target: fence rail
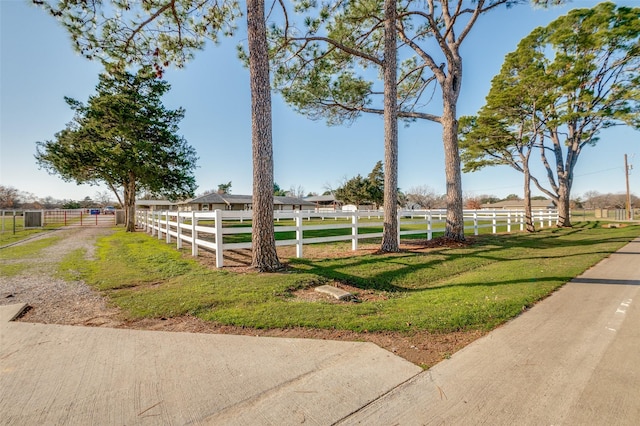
209	230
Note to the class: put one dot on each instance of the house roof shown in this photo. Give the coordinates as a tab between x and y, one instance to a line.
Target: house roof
154	203
321	198
215	198
281	200
237	199
210	198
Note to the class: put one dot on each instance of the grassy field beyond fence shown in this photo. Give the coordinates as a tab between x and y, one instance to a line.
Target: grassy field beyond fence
437	290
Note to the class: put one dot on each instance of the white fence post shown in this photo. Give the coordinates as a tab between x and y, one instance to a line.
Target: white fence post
429	226
399	217
521	220
493	223
541	217
354	231
179	231
509	221
219	251
194	234
159	225
168	228
475	223
298	218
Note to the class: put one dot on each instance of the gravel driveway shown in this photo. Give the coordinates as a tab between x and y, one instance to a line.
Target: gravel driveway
51	299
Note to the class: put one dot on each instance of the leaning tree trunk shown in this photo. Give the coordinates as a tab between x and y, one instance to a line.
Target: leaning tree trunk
264	254
455	217
390	241
528	216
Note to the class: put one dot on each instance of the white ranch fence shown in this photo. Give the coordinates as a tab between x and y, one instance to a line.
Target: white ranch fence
206	229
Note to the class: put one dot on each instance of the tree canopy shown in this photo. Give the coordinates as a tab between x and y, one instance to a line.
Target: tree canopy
331	68
303	74
124	137
563	84
224	188
278	191
153	32
363	190
165	32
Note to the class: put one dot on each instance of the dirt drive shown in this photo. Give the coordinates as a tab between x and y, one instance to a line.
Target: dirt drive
55	301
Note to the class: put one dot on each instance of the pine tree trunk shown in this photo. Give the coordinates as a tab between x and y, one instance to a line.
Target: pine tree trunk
390	241
264	254
455	217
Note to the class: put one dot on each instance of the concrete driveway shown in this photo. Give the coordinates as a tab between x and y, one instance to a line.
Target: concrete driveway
573	359
52	374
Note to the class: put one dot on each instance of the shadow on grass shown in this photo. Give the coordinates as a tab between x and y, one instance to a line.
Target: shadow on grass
387	272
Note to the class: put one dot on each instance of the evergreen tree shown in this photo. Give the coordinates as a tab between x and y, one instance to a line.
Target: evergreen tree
124	137
164	32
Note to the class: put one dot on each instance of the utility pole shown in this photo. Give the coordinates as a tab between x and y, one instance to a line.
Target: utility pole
626	172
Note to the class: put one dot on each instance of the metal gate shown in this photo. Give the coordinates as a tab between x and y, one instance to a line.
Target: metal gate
79	217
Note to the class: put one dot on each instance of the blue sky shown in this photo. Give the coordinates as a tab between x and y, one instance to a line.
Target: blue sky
38	67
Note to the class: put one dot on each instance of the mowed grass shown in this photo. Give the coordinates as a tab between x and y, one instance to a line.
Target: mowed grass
15	260
10	234
442	290
28	249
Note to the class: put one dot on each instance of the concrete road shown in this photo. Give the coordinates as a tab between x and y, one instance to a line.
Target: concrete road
573	359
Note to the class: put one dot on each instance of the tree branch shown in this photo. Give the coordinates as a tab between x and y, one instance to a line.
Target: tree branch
342	47
151	18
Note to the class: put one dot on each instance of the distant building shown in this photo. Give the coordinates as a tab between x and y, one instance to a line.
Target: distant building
155	205
215	201
327	203
519	205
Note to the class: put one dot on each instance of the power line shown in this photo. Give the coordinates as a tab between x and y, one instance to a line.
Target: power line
598	171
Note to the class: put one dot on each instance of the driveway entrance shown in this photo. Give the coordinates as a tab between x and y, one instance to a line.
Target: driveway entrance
79	217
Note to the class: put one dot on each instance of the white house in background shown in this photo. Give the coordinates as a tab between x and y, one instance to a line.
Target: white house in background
545	204
215	201
329	203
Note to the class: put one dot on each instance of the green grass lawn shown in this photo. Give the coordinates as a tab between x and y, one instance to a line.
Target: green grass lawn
9	236
16	260
442	290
